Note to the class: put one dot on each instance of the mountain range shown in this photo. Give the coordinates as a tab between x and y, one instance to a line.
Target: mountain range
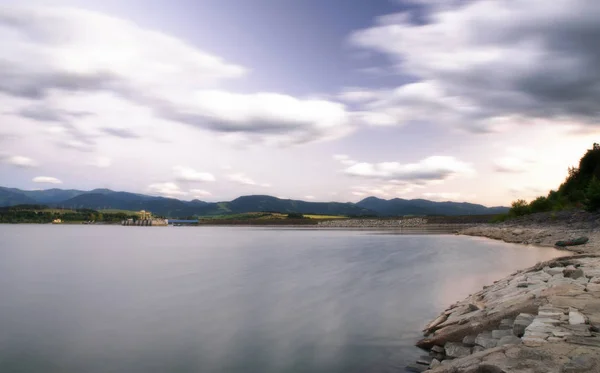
100	199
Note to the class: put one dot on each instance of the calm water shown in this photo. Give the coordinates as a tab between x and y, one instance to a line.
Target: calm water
136	299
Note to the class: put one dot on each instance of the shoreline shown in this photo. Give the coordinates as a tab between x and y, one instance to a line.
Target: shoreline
544	318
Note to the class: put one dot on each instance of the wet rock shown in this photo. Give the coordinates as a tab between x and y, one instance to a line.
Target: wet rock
469	340
576	318
456	350
425	360
509	340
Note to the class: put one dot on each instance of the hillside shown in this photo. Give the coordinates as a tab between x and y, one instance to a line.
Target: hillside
398	206
103	199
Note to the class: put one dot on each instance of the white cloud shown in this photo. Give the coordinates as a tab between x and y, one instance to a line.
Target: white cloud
483	65
166	189
443	196
51	54
344	159
354	95
518	160
46	180
200	193
183	173
19	161
241	178
101	162
429	169
309	197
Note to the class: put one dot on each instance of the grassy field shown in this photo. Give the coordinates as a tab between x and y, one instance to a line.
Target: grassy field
311	216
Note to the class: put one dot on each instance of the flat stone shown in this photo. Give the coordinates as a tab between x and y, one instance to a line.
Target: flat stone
555	339
561	333
592	287
534	334
497	334
586	341
579	364
425	360
417	368
551	314
438	349
509	340
469	340
486	340
457	350
434	364
533	342
576	318
553	271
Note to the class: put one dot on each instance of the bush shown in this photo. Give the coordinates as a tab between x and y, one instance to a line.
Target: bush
592	195
519	208
295	215
500	218
540	204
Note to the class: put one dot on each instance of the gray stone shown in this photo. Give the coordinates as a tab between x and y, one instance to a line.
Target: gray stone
486	340
509	340
477	349
592	287
438	349
581	363
522	285
573	273
497	334
551	314
585	341
533	341
576	318
553	271
469	340
456	350
425	360
520	325
434	364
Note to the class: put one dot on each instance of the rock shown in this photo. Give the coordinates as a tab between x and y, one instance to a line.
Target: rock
551	314
586	341
592	287
520	325
425	360
581	363
434	364
533	341
517	232
439	320
417	368
595	280
573	273
456	350
438	349
469	340
497	334
553	271
486	340
576	318
522	285
477	349
509	340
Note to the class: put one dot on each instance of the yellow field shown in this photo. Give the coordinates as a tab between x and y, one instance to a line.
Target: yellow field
325	216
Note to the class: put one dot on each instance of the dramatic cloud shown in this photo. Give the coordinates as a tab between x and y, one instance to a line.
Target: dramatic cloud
46	180
241	178
434	168
18	161
483	64
50	54
166	189
183	173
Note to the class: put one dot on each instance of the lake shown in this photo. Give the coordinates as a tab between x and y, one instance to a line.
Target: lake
99	299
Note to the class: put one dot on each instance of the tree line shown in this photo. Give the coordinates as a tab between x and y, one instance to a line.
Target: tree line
43	214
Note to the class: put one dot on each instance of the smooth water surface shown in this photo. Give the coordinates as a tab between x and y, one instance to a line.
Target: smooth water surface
99	299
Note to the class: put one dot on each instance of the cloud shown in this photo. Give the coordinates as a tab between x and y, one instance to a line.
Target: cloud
357	95
200	193
309	197
435	168
443	196
241	178
167	189
518	160
183	173
19	161
101	162
383	190
46	180
53	54
481	63
120	132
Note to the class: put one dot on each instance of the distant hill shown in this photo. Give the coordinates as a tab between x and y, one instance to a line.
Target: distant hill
399	207
101	199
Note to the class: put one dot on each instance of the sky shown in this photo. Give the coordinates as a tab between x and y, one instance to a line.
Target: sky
483	101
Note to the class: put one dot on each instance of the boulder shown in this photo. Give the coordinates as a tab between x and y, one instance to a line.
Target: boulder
497	334
457	350
438	349
469	340
509	340
573	273
576	318
434	364
486	340
579	364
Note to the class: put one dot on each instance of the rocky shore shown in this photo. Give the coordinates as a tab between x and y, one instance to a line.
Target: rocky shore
543	319
373	223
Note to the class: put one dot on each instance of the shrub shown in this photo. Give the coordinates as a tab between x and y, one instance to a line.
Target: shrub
519	208
295	215
592	195
540	204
